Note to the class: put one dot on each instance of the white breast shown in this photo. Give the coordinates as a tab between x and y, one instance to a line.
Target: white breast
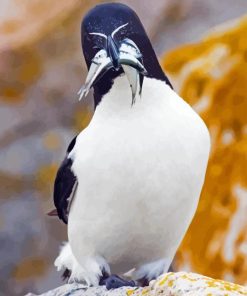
140	171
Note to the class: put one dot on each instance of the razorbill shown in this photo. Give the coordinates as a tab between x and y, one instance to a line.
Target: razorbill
130	182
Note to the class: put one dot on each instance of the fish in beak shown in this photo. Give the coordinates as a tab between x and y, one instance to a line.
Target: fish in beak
126	56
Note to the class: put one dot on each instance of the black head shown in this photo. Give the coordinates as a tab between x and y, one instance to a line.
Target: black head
109	28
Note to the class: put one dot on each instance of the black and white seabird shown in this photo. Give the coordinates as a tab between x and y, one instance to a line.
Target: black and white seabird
130	182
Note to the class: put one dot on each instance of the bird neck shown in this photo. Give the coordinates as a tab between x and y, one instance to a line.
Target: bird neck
151	63
117	103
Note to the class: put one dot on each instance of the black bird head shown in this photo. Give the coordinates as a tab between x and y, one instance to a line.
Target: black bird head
114	41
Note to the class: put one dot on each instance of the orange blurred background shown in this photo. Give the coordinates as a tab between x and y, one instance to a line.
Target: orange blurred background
41	70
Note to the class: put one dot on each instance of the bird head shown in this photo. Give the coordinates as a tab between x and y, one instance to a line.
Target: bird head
114	42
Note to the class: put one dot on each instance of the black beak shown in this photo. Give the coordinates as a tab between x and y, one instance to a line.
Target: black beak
113	52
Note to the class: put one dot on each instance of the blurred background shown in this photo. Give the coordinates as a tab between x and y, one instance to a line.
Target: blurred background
202	46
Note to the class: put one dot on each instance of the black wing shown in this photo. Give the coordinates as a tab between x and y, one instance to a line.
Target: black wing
65	185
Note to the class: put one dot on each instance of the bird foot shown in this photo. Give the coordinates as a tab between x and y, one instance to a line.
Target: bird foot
114	282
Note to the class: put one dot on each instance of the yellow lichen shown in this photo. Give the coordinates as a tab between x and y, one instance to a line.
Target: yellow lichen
44	178
211	76
29	268
51	141
163	280
130	292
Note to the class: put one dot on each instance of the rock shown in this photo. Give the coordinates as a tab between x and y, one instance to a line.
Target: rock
169	284
211	76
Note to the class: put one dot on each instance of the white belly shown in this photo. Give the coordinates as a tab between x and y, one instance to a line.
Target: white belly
140	171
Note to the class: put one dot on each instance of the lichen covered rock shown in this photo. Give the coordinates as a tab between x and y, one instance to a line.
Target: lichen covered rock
169	284
211	76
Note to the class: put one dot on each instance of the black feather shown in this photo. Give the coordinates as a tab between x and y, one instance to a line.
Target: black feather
64	185
66	274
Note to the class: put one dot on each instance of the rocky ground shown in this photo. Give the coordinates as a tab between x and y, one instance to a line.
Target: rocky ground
170	284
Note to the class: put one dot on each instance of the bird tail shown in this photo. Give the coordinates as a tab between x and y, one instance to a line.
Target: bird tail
53	213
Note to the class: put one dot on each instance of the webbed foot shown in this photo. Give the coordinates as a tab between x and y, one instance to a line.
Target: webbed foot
114	282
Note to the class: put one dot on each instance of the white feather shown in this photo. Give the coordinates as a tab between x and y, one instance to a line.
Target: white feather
118	29
89	273
151	270
98	34
140	172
